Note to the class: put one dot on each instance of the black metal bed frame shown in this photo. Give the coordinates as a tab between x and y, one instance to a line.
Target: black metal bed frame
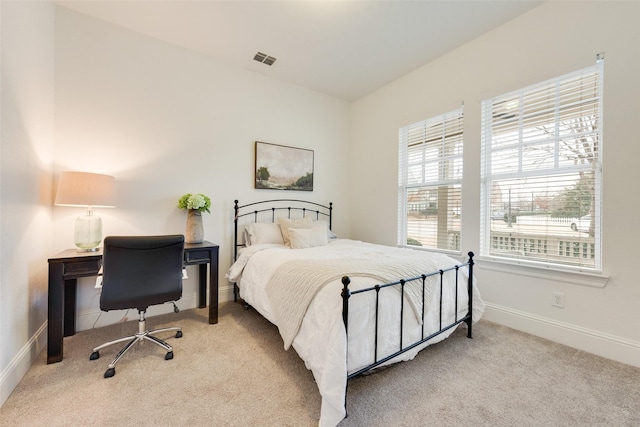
346	293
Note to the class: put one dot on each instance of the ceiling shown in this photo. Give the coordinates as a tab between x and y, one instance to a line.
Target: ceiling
342	48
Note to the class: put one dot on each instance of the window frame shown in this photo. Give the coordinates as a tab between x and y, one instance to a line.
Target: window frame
444	178
488	176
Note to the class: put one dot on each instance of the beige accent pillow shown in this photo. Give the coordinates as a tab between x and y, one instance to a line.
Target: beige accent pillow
302	238
264	232
286	224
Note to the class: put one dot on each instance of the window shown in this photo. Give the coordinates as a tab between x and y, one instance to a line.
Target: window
430	177
542	173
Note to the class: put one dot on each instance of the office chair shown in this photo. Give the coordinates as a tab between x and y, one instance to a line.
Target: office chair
139	271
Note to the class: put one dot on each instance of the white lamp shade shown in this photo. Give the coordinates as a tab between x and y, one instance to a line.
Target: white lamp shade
86	189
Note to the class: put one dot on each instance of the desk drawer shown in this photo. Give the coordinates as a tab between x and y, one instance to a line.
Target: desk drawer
197	256
82	268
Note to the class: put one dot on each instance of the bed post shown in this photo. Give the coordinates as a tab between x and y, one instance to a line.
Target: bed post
470	290
330	215
235	230
346	293
235	245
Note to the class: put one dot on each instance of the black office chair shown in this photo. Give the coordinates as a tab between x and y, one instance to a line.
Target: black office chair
139	271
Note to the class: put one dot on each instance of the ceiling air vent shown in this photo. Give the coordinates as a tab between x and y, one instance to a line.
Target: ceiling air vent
264	58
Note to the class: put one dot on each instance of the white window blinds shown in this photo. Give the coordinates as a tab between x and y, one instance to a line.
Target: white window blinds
541	172
430	177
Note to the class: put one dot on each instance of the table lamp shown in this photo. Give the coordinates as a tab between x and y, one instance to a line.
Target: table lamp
90	190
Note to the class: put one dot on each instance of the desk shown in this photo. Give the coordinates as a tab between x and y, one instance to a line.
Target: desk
68	266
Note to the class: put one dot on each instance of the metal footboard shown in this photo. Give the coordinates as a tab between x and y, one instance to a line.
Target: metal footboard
402	347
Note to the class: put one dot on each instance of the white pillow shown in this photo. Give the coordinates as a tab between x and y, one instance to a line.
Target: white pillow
264	232
287	224
302	238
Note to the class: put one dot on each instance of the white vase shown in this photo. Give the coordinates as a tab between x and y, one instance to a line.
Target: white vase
195	230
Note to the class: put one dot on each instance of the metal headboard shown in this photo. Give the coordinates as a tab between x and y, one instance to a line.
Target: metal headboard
270	210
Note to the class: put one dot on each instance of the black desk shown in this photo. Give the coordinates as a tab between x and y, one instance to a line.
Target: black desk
69	265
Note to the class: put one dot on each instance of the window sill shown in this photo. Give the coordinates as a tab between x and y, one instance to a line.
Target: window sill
543	271
449	252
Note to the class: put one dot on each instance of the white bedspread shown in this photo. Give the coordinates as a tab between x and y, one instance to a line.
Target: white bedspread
321	340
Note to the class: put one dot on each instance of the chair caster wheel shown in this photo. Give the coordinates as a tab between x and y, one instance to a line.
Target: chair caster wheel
110	372
179	334
95	355
169	355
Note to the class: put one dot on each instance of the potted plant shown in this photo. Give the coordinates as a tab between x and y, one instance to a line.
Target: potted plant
195	204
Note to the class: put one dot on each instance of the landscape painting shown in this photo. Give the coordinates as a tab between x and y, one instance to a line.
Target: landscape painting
278	167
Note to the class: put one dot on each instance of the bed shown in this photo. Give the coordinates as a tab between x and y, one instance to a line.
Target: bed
345	306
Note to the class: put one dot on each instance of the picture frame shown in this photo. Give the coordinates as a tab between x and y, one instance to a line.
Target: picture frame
278	167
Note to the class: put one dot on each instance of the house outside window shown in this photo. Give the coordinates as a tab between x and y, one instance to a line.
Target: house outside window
542	173
430	178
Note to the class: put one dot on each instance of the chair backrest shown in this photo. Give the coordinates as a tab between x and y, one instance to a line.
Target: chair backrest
139	271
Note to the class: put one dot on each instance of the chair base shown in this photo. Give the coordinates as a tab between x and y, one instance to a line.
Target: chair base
142	335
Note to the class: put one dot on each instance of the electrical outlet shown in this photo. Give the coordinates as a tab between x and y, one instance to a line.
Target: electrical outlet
558	300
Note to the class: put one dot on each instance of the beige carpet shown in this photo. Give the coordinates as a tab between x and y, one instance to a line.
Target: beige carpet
236	373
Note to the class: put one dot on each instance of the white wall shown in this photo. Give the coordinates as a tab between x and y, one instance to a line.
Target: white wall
550	40
25	184
166	121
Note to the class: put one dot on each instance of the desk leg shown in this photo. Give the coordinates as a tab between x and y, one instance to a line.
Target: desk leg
70	289
202	291
213	288
55	314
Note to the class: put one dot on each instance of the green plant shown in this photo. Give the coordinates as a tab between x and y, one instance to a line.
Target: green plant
198	202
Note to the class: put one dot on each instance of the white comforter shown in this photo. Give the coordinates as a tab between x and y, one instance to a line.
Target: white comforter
321	339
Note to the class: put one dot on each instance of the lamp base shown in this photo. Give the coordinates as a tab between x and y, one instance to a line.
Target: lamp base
88	232
96	249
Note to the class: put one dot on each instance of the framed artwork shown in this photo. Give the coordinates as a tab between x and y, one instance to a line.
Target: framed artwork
278	167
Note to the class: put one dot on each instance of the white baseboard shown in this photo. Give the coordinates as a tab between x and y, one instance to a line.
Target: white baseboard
599	343
98	319
20	364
